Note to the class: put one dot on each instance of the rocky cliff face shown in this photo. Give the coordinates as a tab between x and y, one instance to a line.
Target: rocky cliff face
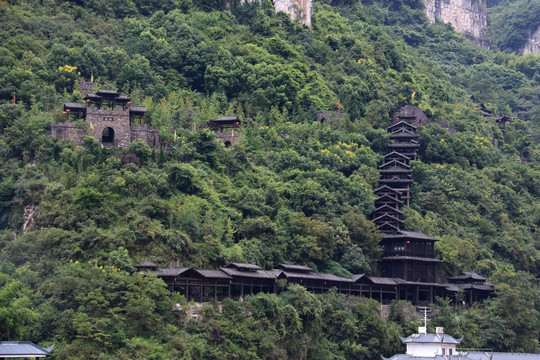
533	43
298	9
468	17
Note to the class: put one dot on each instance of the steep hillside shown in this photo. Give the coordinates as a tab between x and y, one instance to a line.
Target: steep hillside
514	25
74	220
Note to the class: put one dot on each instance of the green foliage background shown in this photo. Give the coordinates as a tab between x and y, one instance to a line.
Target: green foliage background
74	220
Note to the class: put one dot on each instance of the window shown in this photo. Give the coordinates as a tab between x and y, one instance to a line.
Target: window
449	351
444	351
108	119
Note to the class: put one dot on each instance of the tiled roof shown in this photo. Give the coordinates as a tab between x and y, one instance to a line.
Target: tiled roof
169	272
146	264
383	280
390	208
292	267
409	235
107	92
22	349
226	118
416	258
512	356
466	356
213	274
386	224
401	123
421	283
243	266
385	187
477	287
386	196
259	274
416	235
395	170
431	339
395	153
389	217
394	161
314	276
466	275
401	132
402	145
274	272
137	108
71	105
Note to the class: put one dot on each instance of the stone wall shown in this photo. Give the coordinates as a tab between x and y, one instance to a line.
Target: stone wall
533	43
68	130
228	137
468	17
331	118
99	120
148	135
86	87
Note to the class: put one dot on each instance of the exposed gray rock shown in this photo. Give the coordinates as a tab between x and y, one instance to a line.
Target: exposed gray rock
533	43
468	17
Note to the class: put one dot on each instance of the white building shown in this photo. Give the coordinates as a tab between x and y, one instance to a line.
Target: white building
440	346
430	345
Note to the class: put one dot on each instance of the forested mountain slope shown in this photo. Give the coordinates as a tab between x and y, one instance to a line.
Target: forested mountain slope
75	220
513	23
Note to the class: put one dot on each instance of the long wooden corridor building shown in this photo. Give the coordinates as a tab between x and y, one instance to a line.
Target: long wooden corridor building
237	280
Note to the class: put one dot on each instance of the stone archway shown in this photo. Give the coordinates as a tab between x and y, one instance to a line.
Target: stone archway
107	136
526	155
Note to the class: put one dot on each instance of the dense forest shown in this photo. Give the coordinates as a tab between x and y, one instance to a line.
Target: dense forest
74	220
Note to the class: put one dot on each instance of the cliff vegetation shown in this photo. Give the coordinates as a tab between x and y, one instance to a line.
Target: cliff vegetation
75	220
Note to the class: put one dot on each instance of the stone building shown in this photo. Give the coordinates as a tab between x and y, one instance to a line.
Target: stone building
109	117
224	128
331	118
